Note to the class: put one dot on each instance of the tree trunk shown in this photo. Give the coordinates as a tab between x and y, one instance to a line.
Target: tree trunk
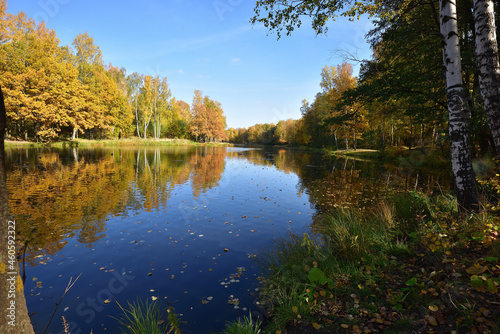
137	121
383	132
465	185
73	136
354	146
13	311
392	134
488	66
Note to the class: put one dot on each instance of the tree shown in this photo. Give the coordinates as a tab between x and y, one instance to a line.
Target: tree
121	110
134	84
42	90
488	65
198	123
207	118
286	14
180	117
13	310
147	98
461	164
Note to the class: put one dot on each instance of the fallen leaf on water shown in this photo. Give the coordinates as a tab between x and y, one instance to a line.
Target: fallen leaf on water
107	301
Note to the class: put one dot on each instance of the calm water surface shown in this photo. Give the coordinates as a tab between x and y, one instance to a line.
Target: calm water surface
181	224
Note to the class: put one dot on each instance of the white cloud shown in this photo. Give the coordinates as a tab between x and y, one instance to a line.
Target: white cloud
180	71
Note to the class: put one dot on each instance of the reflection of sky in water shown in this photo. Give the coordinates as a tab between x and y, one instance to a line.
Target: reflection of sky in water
175	251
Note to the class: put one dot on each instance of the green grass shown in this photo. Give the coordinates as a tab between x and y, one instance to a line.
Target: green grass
416	157
112	142
148	318
243	326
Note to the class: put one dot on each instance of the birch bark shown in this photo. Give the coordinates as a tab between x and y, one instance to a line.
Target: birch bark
488	66
465	185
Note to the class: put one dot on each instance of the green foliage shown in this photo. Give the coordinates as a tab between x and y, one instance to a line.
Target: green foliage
148	318
410	210
353	236
244	326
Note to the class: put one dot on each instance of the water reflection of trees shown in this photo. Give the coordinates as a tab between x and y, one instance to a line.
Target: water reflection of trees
334	182
207	167
56	194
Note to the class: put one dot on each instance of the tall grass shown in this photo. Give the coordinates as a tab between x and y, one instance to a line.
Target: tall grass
148	318
344	243
244	326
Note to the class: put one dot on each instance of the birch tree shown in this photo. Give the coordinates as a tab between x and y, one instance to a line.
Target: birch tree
461	164
134	82
148	100
286	14
488	66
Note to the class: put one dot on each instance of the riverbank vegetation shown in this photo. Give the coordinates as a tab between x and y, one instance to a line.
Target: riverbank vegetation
412	264
126	142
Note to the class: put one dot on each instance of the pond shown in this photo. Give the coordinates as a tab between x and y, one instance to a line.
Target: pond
180	224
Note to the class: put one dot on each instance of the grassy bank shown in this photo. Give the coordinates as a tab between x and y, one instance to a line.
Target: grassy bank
112	143
413	264
416	157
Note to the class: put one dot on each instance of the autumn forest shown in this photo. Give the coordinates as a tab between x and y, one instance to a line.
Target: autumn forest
54	92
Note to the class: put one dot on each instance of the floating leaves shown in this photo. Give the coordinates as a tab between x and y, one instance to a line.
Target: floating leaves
207	300
234	301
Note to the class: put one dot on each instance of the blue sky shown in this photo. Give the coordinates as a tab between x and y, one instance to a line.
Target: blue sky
207	45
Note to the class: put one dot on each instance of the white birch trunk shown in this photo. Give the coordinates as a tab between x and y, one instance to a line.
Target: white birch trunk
488	66
461	165
137	120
